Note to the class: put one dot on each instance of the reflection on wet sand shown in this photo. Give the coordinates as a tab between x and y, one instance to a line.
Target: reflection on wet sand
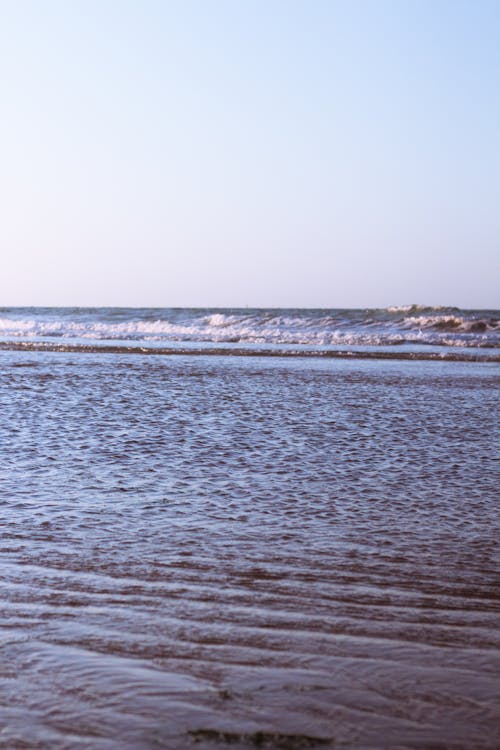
277	555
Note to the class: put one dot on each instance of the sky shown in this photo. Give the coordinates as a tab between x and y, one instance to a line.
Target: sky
270	153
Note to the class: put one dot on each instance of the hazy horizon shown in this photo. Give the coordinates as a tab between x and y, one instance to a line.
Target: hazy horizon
403	307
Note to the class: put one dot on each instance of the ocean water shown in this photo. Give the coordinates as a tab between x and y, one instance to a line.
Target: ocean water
206	551
413	331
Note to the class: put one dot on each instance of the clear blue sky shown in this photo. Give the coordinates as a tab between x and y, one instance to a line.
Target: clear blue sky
250	152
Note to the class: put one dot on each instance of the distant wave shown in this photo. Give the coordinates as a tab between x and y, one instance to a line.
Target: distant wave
453	323
420	308
389	327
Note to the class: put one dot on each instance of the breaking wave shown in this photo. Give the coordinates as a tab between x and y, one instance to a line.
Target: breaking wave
394	326
453	323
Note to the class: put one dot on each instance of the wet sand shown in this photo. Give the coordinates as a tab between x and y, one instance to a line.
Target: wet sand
193	350
278	555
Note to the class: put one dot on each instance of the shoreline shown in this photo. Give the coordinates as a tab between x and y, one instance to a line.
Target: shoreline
247	352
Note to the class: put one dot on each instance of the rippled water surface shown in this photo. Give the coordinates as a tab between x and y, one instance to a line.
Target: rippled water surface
211	552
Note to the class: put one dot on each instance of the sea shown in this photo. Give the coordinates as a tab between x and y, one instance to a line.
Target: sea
407	332
241	528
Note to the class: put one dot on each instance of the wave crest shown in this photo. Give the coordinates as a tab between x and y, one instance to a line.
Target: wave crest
452	323
319	328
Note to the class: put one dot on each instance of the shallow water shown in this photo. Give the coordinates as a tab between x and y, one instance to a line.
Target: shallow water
211	552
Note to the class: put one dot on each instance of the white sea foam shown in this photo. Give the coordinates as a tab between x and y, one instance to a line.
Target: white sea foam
219	320
408	308
427	321
418	310
451	323
264	327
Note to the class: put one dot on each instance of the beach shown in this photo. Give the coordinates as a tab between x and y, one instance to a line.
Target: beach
212	551
250	375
